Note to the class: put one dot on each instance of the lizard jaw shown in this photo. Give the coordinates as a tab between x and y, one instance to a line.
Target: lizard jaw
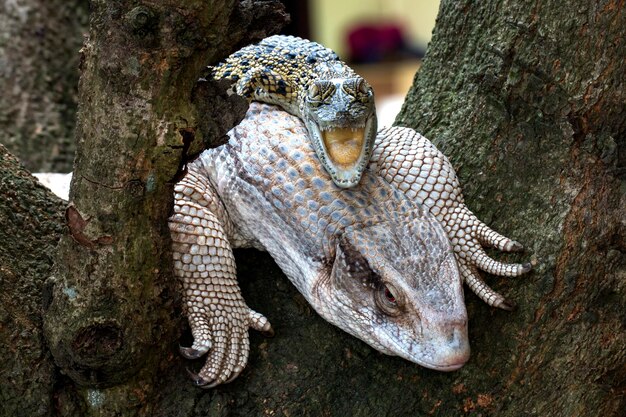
447	368
446	353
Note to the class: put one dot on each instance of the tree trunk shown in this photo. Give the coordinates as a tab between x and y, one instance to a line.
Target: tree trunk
527	101
113	311
31	226
39	41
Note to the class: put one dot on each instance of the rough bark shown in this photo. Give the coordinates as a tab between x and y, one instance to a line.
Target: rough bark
113	300
39	41
529	102
31	226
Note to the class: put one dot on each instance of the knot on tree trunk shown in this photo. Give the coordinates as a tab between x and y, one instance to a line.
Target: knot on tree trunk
92	347
96	344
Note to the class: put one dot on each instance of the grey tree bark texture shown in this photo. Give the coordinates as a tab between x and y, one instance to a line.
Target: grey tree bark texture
526	100
39	43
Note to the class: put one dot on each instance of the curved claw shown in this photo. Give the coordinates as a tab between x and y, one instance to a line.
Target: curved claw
213	384
514	247
197	379
204	383
191	353
268	333
507	305
527	267
236	372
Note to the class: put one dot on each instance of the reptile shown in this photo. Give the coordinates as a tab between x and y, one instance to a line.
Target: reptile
384	261
377	260
311	82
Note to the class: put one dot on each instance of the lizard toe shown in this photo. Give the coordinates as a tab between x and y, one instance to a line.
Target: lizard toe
237	370
472	278
506	304
489	237
197	379
514	246
201	332
232	356
242	360
191	352
259	322
475	255
228	355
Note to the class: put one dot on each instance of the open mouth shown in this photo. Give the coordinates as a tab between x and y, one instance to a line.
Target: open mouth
344	145
344	151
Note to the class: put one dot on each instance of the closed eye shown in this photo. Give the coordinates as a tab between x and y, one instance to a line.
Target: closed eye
320	92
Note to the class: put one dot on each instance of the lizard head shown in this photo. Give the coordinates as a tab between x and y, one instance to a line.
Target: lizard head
396	286
341	118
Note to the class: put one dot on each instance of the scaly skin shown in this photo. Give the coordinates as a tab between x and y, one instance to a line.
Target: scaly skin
309	81
346	252
369	259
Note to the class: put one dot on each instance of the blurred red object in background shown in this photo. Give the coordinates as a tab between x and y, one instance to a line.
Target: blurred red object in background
379	42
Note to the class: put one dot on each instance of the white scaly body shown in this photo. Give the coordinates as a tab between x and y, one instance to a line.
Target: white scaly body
375	263
375	260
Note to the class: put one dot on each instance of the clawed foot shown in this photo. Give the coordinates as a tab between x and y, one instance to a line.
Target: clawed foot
203	260
468	235
192	352
226	341
416	167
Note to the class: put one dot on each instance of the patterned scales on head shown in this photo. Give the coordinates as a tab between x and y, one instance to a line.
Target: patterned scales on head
309	81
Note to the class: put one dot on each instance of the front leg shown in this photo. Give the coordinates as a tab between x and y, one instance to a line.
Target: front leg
203	260
414	165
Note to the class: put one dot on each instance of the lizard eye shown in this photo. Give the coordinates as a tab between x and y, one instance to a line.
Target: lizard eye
320	92
314	92
358	89
390	297
386	298
363	87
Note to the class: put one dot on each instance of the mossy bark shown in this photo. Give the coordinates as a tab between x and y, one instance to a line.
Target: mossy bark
39	41
31	222
529	102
